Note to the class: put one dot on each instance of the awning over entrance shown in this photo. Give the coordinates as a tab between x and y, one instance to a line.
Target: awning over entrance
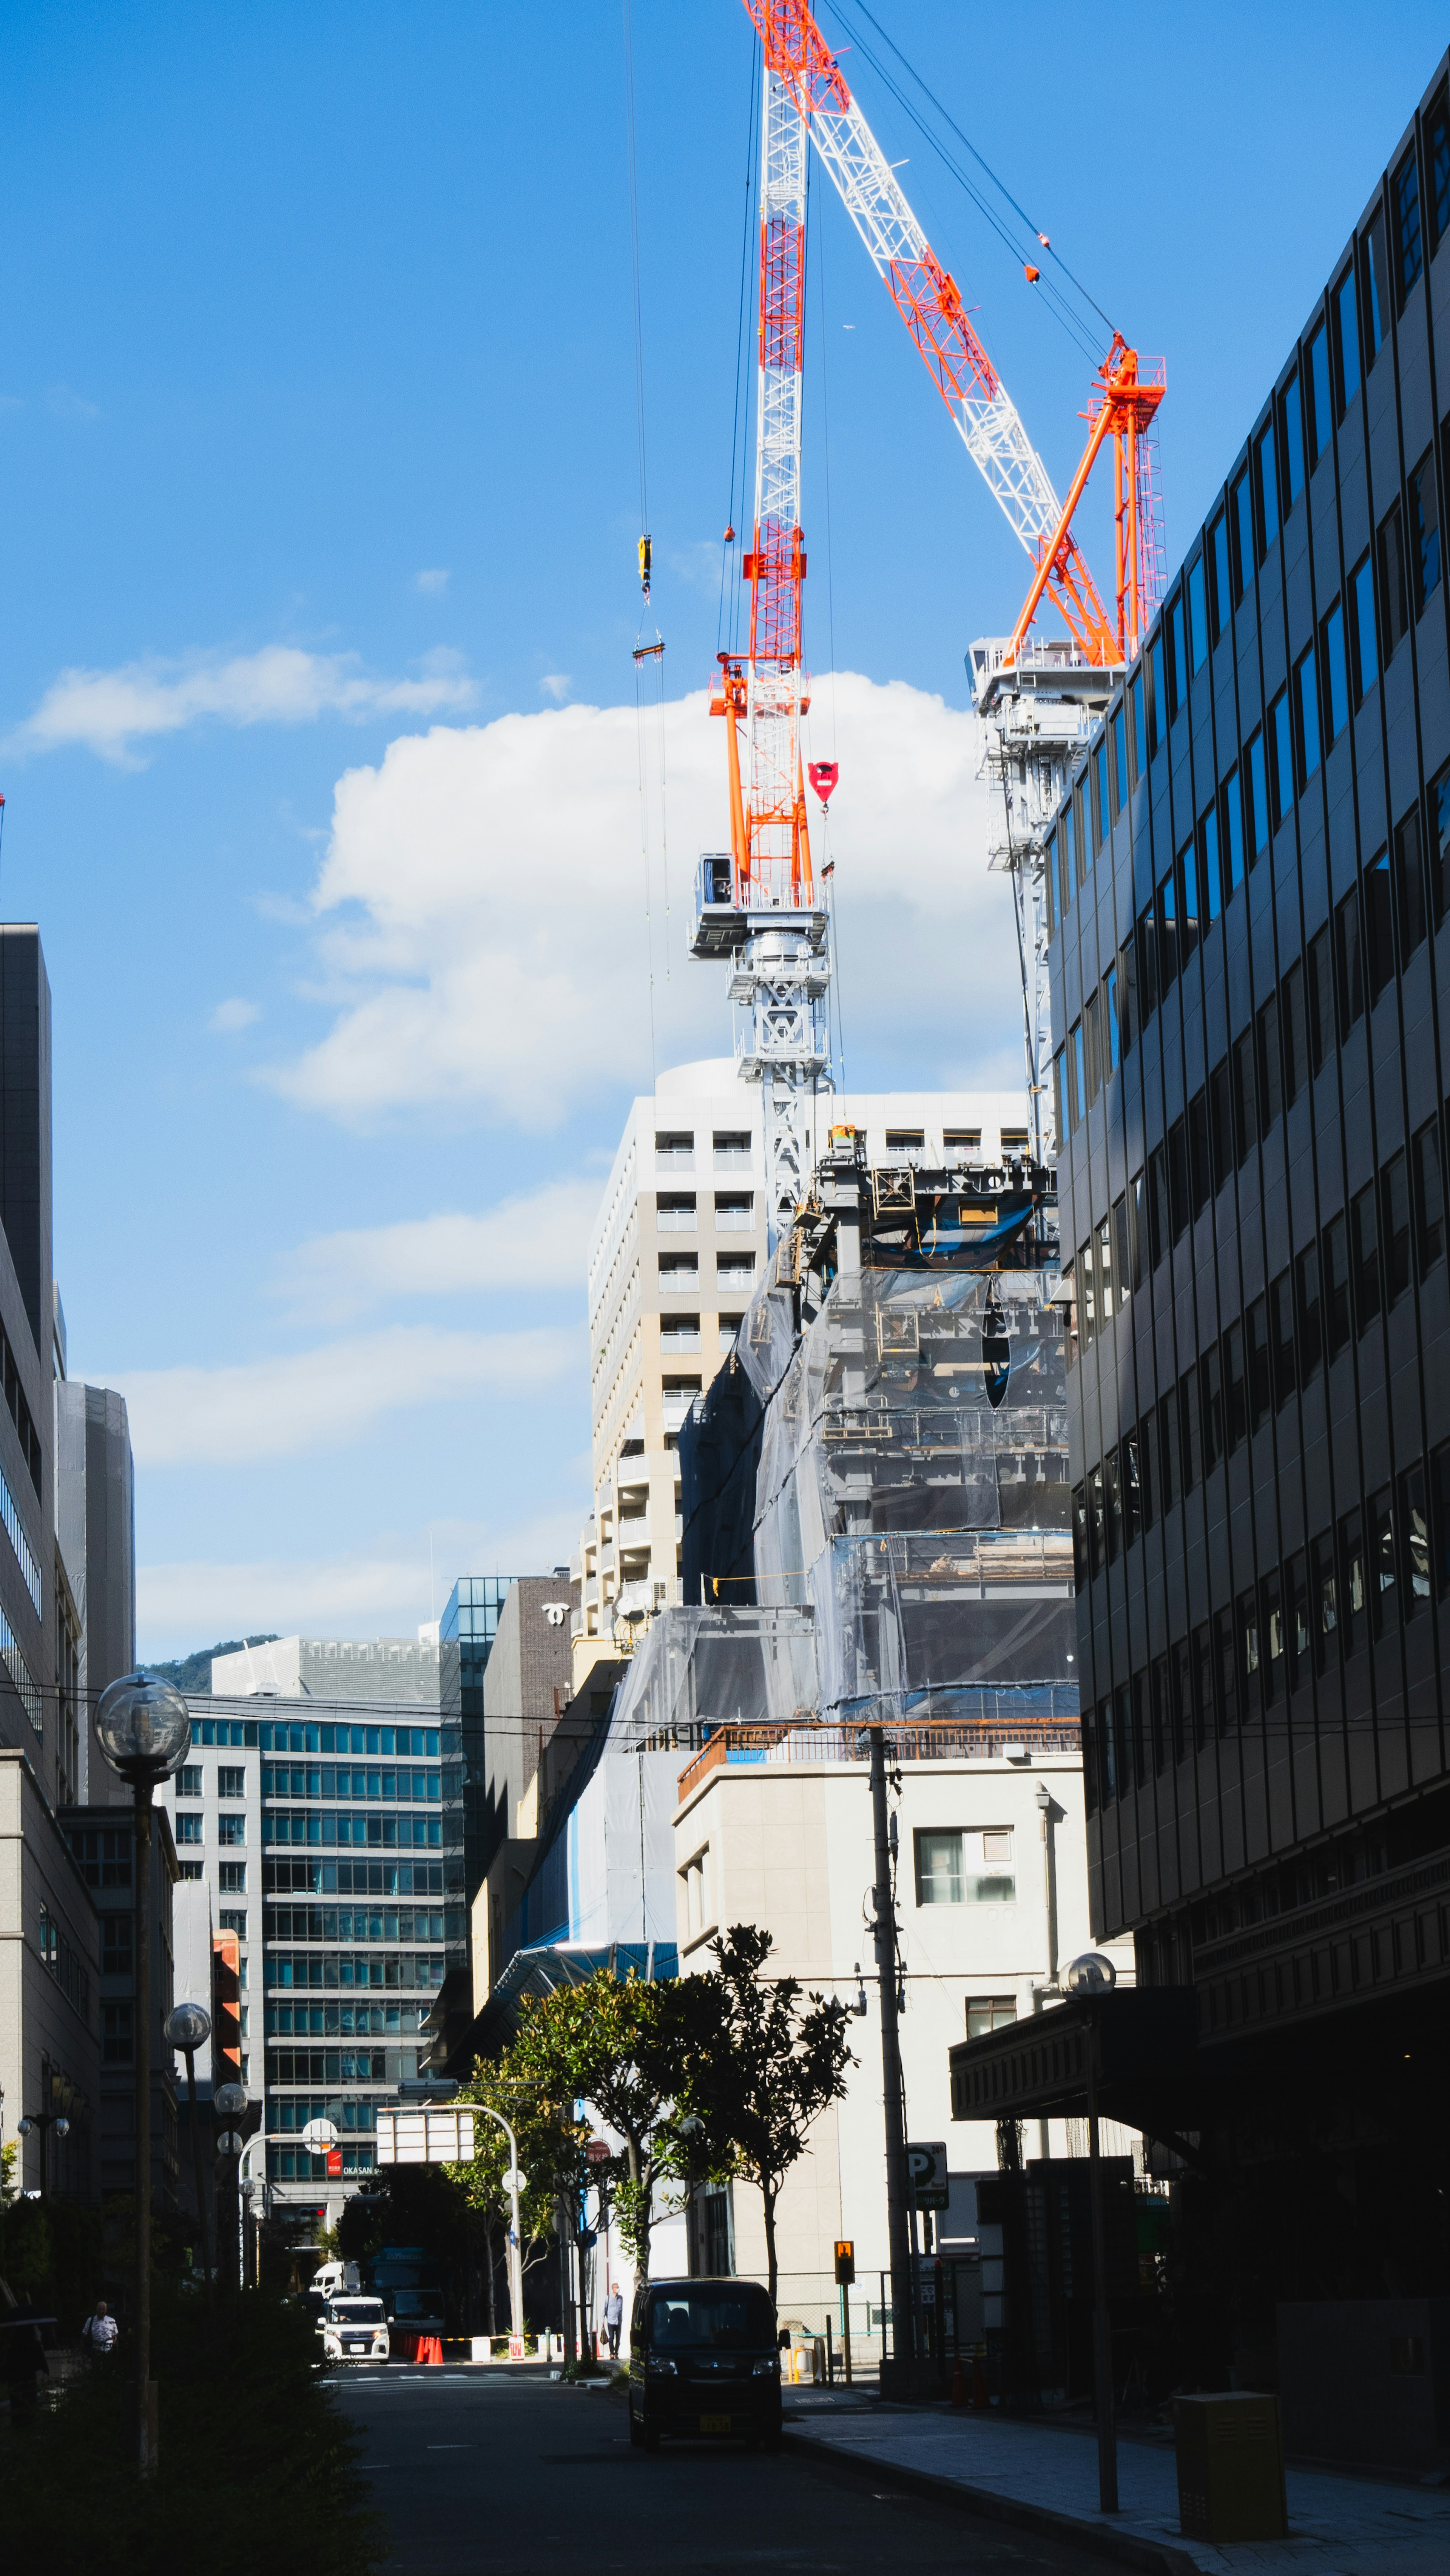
1144	2059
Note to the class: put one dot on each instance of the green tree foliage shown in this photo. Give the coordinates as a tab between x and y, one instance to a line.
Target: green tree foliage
763	2068
53	2251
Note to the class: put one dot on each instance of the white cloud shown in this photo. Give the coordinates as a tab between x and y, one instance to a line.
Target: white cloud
234	1014
382	1590
482	904
535	1241
108	712
557	685
431	583
69	405
324	1398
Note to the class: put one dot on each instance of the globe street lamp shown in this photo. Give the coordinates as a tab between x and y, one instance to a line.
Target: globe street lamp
188	2027
144	1731
45	2122
229	2102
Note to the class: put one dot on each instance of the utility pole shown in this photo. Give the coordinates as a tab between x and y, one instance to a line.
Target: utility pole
903	2304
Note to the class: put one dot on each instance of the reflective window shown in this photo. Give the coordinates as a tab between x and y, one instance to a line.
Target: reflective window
1178	658
1157	701
1222	579
1259	795
1120	749
1379	924
1409	233
1281	734
1197	616
1336	673
1424	531
1244	549
1268	487
1409	882
1429	1199
1306	712
1362	627
1377	300
1293	441
1437	132
1140	731
1233	817
1209	857
1321	417
1346	333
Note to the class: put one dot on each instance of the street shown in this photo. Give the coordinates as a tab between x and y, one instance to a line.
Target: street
484	2470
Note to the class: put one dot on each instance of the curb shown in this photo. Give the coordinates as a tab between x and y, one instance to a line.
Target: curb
1150	2557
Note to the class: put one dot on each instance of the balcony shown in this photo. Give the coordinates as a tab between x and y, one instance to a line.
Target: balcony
676	1216
944	1739
735	1216
674	1279
732	1272
733	1158
676	1337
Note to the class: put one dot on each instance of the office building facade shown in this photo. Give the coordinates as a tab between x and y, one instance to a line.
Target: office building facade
1250	895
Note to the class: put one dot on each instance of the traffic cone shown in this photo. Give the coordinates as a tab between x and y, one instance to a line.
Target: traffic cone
959	2385
430	2350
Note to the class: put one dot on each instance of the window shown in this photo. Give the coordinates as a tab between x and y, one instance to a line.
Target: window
1321	417
1122	1252
1429	1198
1111	1028
1336	673
1068	877
1424	531
117	2034
231	1829
1100	793
1376	300
189	1869
1365	1248
1409	235
1081	1571
232	1877
1349	963
1242	504
1392	579
1167	931
1268	492
1306	712
1190	1433
1177	653
1233	833
1209	863
1113	1500
1177	1178
1170	1483
231	1780
1296	1620
1281	1338
1352	1584
1336	1286
1414	1550
1091	1049
1197	616
1258	797
1147	978
1345	311
1221	1123
1247	1615
1395	1193
1440	1518
233	1921
1271	1633
1050	885
1157	1205
1200	1164
1081	837
1293	411
1157	698
1188	873
188	1829
1245	1097
1409	883
1307	1309
117	1954
1140	728
1379	924
1440	844
188	1780
1270	1101
939	1873
1281	735
1120	756
989	2012
1077	1073
1132	1487
1222	586
1438	141
1294	1033
1321	1000
1235	1387
1145	1467
1362	634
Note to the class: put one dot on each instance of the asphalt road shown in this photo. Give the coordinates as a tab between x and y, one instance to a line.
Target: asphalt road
489	2471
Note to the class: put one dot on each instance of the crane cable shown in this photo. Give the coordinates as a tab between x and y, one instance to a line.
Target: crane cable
643	651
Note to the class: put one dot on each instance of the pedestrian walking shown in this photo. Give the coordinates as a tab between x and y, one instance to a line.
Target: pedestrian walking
613	2319
99	2333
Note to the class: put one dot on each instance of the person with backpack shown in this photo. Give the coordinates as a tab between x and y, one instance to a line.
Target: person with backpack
99	2333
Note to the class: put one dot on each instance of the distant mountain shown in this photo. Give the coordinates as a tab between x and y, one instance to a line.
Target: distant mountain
193	1672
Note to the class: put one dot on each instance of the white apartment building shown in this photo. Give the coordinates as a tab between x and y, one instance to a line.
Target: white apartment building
676	1255
992	1898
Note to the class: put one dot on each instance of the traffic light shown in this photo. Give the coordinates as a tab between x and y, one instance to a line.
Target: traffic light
845	2261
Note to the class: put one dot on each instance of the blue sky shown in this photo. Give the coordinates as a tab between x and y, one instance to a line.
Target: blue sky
317	433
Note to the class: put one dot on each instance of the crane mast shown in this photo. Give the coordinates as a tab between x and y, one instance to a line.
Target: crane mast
757	903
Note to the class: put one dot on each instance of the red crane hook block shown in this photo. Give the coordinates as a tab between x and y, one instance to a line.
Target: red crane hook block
824	774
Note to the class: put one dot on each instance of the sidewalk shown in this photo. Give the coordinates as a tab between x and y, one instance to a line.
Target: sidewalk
1046	2475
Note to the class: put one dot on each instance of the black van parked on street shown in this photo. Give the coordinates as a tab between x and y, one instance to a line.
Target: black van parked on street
703	2361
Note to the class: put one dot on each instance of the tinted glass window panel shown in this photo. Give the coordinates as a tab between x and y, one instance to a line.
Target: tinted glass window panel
1440	845
1346	333
1321	1000
1395	1197
1140	727
1281	734
1296	1619
1238	1354
1147	978
1381	1565
1171	1487
1438	146
1293	441
1212	1429
1190	1434
1157	697
1283	1357
1072	869
1336	673
1363	635
1120	756
1122	1251
1242	503
1364	1241
1410	882
1321	415
1336	1286
1147	1479
1379	924
1429	1198
1059	1093
1197	616
1394	598
1440	1519
1113	1493
1077	1068
1221	1124
1157	1204
1294	1032
1110	1014
1177	653
1424	531
1324	1603
1414	1540
1100	791
1177	1177
1245	1094
1209	863
1270	1101
1352	1584
1049	884
1222	575
1200	1159
1233	823
1376	298
1132	1491
1409	231
1307	676
1258	816
1268	478
1349	962
1167	932
1307	1312
1188	877
1092	1049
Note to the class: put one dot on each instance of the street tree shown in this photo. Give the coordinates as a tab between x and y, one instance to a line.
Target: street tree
551	2156
768	2066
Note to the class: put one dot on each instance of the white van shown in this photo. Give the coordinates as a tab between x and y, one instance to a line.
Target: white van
355	2328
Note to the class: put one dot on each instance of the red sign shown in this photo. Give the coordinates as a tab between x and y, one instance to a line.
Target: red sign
334	2162
597	2153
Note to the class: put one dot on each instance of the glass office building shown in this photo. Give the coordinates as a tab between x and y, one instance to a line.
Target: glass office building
466	1633
1250	903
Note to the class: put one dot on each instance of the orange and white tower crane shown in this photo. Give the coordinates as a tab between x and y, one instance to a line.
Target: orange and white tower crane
757	904
1036	696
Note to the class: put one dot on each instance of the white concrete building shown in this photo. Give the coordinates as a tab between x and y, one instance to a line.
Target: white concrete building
992	1896
676	1255
400	1670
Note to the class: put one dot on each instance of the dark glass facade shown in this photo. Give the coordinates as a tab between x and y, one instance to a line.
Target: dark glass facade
466	1633
1251	928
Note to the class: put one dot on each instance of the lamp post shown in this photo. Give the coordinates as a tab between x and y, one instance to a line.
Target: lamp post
44	2121
188	2027
514	2182
144	1731
229	2101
